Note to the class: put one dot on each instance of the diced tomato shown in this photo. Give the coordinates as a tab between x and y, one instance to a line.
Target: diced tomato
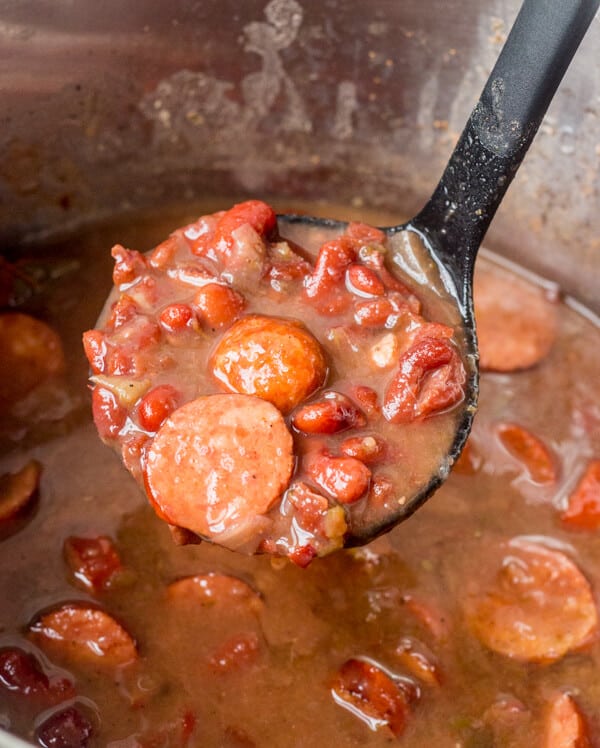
157	405
529	450
95	348
344	478
260	216
236	653
129	264
302	555
583	509
122	312
109	415
325	287
381	491
164	253
94	562
67	728
361	234
311	507
363	281
334	412
430	378
21	674
218	305
200	235
371	694
177	317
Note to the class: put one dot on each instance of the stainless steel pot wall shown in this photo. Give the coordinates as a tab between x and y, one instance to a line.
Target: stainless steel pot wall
108	106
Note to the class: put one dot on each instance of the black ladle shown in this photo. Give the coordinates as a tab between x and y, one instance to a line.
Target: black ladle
532	63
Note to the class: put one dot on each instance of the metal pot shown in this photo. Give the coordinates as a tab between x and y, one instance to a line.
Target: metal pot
110	107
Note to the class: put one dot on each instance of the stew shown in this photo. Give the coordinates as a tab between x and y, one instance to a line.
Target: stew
472	624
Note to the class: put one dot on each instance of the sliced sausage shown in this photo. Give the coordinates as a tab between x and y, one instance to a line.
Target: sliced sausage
213	589
371	694
219	462
17	490
516	323
277	360
536	608
30	352
86	634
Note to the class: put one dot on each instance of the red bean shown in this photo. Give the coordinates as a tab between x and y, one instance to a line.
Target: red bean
157	405
129	264
177	317
218	305
344	478
333	413
369	448
364	281
94	562
109	415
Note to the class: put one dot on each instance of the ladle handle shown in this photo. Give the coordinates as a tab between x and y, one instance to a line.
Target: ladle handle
532	63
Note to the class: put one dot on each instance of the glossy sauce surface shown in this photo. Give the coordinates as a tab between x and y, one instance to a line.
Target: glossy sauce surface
282	656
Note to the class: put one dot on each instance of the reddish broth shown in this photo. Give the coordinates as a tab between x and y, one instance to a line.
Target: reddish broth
406	641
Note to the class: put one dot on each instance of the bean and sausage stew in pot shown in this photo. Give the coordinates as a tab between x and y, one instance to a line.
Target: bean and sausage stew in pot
271	398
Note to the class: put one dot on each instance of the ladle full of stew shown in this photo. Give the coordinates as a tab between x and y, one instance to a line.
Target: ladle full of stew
293	385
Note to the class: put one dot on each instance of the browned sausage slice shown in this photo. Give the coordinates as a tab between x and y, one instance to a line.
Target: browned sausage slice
565	727
219	463
516	324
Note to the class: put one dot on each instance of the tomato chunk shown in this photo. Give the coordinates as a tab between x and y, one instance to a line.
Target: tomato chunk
94	562
430	378
21	673
538	607
68	728
372	695
583	509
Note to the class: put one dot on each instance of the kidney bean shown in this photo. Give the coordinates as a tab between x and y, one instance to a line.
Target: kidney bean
218	305
260	216
122	312
530	451
164	253
368	399
94	562
369	448
383	311
372	695
583	508
68	728
95	348
333	413
344	478
177	317
109	415
363	281
200	235
157	405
